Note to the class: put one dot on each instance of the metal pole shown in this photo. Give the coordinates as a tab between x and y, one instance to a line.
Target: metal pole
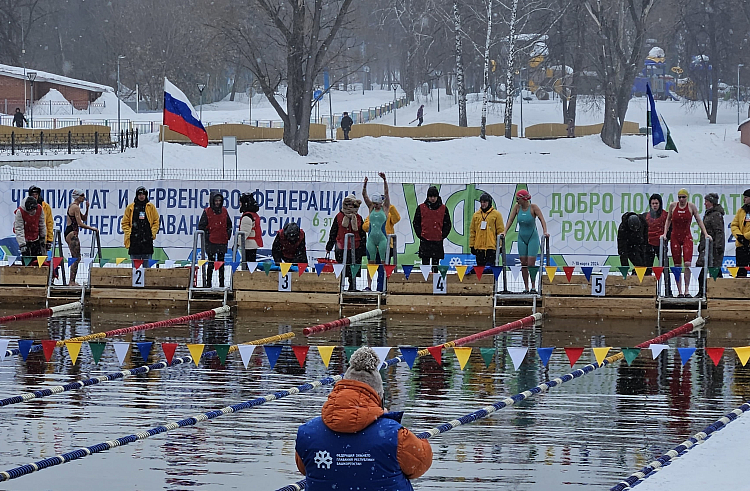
738	91
32	105
137	98
394	105
118	95
521	128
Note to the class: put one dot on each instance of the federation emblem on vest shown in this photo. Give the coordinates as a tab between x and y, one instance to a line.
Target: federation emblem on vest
323	458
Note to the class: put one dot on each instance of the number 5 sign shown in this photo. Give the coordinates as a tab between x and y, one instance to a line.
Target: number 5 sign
598	286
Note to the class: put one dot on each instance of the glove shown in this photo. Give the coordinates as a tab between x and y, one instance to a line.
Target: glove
48	245
24	250
473	251
742	240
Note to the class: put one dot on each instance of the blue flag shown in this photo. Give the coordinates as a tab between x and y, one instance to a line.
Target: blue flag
407	269
144	348
319	268
657	134
544	354
587	270
409	353
24	346
685	354
272	353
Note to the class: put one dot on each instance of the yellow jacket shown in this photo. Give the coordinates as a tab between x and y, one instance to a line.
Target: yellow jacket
390	223
740	226
49	221
485	239
127	221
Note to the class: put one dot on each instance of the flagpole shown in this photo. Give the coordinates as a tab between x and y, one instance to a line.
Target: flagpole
162	150
648	126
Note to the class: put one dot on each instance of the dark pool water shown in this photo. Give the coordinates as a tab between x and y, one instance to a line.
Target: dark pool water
586	434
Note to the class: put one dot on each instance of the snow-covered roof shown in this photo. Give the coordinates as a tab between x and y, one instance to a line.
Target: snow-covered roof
18	72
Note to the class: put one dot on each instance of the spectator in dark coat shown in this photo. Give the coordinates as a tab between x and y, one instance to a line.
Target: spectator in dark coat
632	239
19	119
713	219
432	224
346	125
420	115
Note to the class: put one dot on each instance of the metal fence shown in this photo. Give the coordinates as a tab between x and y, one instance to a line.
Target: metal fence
312	175
51	108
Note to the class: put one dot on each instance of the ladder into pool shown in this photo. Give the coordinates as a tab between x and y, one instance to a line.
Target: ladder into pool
364	298
198	293
665	302
506	298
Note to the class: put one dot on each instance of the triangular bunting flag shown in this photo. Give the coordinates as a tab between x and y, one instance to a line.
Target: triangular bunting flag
743	354
696	271
253	265
246	351
3	348
56	262
685	354
382	352
24	346
300	352
425	269
326	352
96	350
144	348
348	352
11	260
462	353
640	271
677	272
389	268
624	270
407	269
234	265
443	270
497	271
658	270
355	268
337	269
372	269
573	355
102	262
630	354
568	270
118	260
87	261
152	263
284	268
551	270
533	270
201	262
437	353
196	351
272	353
715	354
48	347
222	350
301	268
478	270
587	270
656	349
600	354
218	265
545	354
714	272
72	261
40	260
409	354
74	348
461	271
488	355
267	265
121	350
605	272
137	263
733	271
515	271
517	355
169	349
169	263
319	268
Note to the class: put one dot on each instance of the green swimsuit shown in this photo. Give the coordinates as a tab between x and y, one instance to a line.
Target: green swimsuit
376	239
528	238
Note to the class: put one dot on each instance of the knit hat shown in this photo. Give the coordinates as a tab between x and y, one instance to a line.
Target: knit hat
746	193
363	367
349	208
712	198
433	191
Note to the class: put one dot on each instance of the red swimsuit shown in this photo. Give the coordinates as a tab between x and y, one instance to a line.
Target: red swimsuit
682	237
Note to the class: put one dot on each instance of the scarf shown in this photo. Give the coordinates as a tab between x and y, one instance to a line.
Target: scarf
349	208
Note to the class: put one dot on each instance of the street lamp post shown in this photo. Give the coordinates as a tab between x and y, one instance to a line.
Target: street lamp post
200	89
119	57
32	76
438	74
738	91
394	86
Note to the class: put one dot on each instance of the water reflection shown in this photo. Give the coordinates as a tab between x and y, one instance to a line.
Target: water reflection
585	434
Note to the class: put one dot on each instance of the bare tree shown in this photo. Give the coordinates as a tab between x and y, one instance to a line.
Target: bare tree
460	86
621	28
17	20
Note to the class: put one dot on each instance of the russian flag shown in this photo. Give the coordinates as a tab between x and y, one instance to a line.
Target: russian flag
180	116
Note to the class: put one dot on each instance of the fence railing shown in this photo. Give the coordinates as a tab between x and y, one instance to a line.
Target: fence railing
51	108
362	115
311	175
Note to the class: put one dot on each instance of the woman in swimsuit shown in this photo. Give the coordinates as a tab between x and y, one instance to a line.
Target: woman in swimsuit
528	238
680	217
377	242
74	222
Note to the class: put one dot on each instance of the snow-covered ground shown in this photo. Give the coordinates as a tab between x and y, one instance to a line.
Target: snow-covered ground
717	463
702	147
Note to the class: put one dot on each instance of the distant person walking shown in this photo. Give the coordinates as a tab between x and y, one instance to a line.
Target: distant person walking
420	115
713	218
140	224
741	231
19	119
346	125
528	237
680	216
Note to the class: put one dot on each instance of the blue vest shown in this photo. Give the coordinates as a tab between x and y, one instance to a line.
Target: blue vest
362	461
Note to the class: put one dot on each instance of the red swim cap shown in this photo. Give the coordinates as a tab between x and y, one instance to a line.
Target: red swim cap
523	194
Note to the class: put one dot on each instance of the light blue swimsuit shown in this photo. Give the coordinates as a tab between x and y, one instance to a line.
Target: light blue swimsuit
528	238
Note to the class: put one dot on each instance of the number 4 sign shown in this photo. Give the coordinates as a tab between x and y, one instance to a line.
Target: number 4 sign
438	284
598	286
138	277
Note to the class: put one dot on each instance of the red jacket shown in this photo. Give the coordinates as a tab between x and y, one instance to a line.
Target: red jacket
655	227
432	222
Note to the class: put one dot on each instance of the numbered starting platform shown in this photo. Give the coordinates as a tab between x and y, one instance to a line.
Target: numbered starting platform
440	295
277	292
141	288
